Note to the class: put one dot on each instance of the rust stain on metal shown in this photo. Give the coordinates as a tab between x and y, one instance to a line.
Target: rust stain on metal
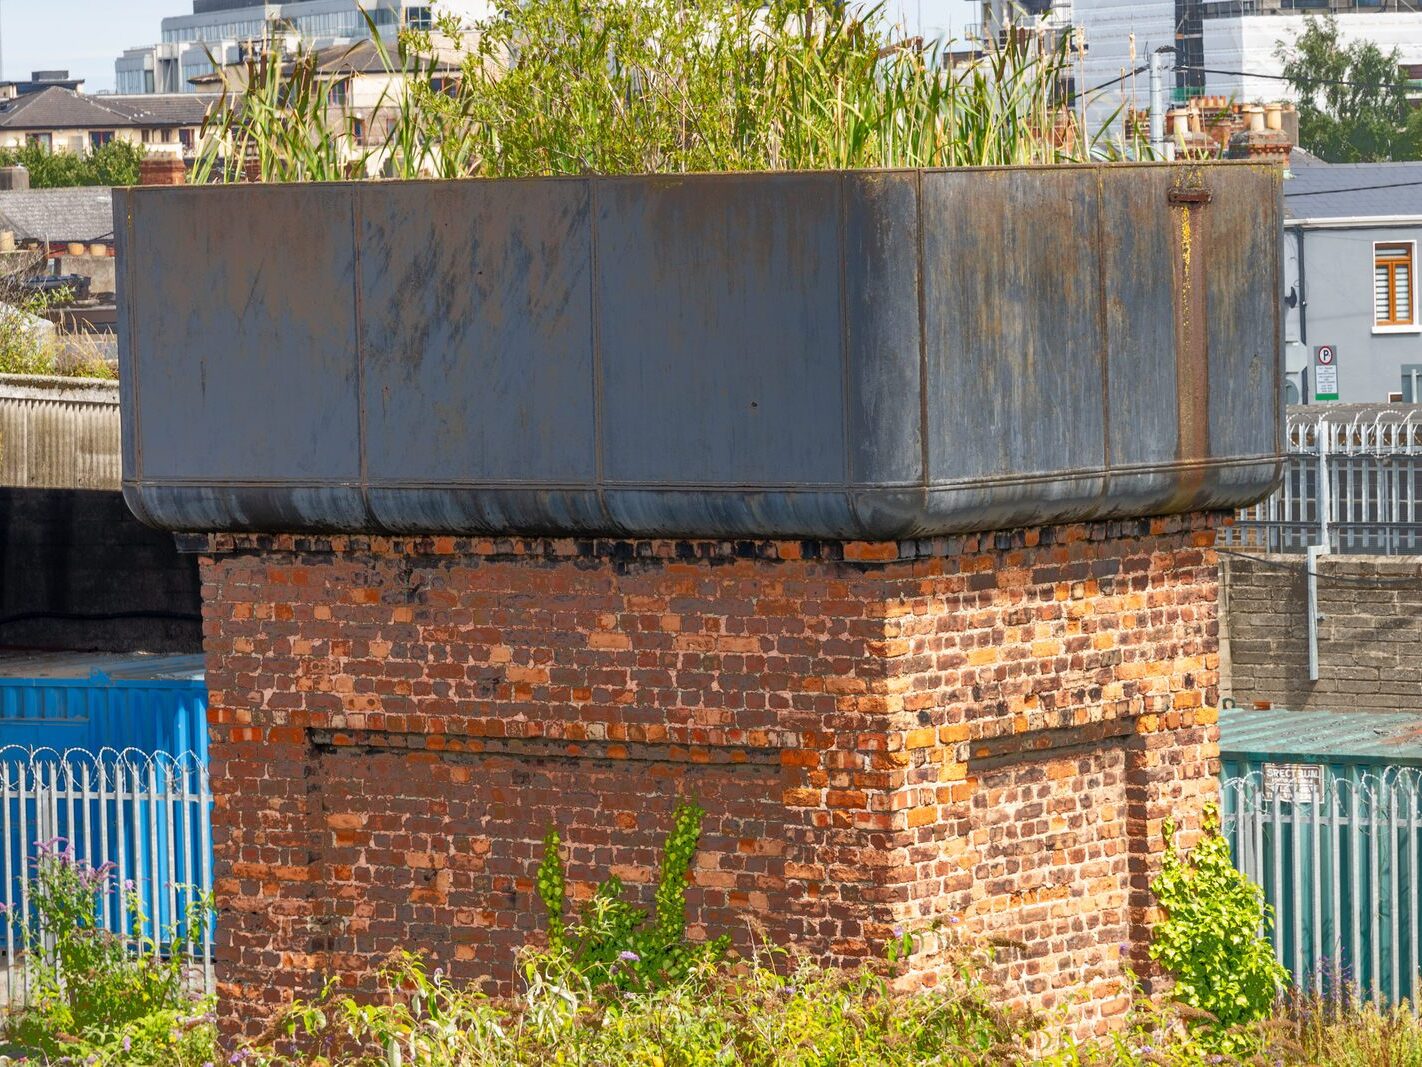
1188	198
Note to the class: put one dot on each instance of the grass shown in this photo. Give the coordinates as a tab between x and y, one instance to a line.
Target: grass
28	345
556	87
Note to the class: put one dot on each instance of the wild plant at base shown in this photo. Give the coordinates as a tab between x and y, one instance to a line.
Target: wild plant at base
615	945
97	998
1213	940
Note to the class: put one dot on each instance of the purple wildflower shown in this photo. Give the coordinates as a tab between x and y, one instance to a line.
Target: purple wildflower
628	956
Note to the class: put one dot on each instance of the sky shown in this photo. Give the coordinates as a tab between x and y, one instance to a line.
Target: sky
86	36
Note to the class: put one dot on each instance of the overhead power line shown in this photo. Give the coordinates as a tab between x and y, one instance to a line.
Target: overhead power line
1237	74
1352	189
1113	81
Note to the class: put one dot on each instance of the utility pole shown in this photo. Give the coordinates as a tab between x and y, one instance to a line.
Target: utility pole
1159	144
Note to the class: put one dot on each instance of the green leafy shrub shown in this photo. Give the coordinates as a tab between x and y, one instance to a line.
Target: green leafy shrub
96	998
115	163
615	944
753	1015
1213	939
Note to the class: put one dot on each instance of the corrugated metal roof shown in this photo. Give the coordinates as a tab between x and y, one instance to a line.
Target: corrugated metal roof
118	666
1324	736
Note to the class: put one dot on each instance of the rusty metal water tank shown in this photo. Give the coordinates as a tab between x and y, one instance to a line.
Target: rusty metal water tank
860	354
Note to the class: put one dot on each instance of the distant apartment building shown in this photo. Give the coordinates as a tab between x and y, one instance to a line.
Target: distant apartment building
226	30
1244	36
1221	47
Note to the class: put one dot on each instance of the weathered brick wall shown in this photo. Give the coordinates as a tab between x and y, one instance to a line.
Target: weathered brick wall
1368	637
986	729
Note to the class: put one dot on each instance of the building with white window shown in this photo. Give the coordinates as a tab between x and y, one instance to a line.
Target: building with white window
1350	259
65	120
226	30
1242	39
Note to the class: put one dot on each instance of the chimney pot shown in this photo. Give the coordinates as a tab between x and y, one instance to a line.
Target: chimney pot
14	178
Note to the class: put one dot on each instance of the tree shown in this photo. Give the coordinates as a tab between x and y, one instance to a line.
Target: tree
1352	99
115	163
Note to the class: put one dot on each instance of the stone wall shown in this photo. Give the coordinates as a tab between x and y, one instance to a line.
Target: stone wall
988	729
1369	636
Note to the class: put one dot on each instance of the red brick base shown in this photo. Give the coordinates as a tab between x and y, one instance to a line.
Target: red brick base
987	728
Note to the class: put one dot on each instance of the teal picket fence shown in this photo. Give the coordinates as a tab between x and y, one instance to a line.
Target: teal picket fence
1337	851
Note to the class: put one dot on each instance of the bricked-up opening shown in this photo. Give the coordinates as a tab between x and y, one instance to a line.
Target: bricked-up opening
987	728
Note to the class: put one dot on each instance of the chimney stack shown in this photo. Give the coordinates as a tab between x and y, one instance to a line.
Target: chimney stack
1264	136
162	170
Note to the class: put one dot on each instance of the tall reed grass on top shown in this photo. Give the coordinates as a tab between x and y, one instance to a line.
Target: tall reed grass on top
659	86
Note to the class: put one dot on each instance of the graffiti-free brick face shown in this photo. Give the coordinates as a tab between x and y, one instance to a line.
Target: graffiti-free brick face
981	732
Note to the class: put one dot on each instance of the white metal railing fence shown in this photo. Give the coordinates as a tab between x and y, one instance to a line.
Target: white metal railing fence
1352	482
147	815
1337	855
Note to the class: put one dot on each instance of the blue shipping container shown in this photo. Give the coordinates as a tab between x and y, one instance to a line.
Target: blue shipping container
97	701
132	790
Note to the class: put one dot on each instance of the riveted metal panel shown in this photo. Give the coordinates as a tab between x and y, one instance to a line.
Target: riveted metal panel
720	335
1011	311
241	332
476	296
1137	294
1244	313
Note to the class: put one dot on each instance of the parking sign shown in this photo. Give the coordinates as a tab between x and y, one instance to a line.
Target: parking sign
1325	372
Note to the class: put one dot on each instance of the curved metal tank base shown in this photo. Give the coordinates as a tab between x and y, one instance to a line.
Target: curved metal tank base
845	355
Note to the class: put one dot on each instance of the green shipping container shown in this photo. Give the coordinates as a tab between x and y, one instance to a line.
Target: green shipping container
1322	811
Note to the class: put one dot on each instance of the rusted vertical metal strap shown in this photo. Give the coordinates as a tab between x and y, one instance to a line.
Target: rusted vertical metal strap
1103	315
1187	198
